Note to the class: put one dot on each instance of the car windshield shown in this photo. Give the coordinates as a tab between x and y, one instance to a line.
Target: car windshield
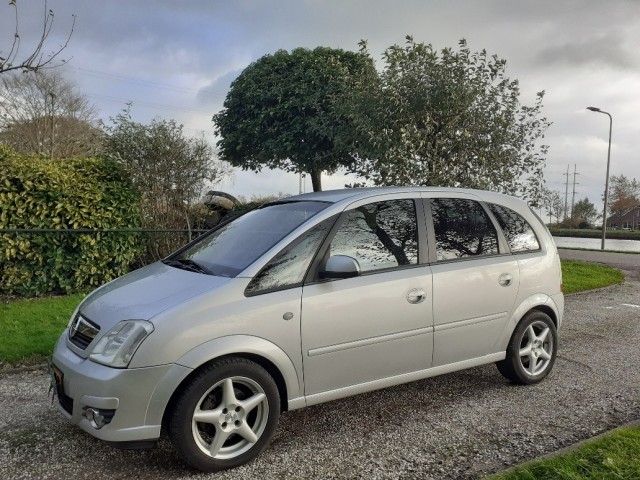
227	251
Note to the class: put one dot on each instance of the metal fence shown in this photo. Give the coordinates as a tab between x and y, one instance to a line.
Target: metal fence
159	241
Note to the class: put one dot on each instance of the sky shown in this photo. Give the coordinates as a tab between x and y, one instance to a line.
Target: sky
176	59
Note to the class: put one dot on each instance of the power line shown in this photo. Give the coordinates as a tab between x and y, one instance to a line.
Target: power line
149	83
146	104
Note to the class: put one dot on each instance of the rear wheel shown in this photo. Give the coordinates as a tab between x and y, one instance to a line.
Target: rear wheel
226	415
532	349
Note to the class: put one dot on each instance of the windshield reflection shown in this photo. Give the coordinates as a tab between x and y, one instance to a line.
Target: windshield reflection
234	246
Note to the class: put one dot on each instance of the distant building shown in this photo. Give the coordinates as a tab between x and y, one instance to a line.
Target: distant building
628	220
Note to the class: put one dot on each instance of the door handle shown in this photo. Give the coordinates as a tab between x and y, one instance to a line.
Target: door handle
505	279
416	295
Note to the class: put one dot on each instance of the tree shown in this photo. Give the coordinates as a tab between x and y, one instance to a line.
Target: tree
553	204
624	194
450	118
170	170
36	59
584	212
285	111
44	113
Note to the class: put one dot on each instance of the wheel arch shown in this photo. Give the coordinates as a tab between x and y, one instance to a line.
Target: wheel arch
258	350
539	302
548	311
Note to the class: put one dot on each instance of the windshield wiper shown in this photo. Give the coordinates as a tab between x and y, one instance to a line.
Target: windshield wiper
187	264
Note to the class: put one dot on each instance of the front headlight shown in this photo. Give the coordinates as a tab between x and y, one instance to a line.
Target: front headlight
117	347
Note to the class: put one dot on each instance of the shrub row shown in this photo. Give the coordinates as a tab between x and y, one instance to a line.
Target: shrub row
594	233
38	193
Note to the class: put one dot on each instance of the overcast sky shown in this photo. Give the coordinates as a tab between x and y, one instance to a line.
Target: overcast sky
176	59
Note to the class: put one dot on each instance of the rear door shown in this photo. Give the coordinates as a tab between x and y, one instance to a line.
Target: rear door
475	279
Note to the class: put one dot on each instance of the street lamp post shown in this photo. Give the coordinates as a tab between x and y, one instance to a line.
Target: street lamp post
606	184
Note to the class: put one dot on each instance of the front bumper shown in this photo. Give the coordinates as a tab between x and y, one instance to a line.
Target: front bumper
136	397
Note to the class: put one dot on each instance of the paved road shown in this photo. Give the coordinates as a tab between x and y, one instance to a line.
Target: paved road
628	261
457	426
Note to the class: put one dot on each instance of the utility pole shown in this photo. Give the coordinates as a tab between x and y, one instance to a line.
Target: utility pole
573	197
566	193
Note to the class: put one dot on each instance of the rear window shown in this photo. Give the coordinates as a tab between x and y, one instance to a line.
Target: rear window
519	234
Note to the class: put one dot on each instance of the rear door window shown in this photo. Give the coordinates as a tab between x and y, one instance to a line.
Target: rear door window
462	229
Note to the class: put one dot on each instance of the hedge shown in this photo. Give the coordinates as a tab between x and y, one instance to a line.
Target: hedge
87	193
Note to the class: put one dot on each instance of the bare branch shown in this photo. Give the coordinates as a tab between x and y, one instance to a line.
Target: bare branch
36	60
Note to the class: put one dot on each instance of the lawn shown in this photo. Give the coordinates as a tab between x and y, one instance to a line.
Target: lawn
578	276
614	456
31	327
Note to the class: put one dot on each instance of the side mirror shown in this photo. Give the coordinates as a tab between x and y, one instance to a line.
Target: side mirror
341	266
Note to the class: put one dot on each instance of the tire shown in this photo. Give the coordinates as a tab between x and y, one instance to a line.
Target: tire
225	415
532	350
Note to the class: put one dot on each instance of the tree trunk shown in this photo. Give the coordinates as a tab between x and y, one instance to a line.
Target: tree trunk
316	180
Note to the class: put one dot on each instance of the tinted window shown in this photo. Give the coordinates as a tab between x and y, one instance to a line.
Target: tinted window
516	229
234	246
462	229
379	235
287	269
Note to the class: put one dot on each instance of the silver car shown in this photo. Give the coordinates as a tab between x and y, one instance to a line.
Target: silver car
305	300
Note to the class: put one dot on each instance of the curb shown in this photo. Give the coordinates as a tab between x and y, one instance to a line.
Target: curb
564	450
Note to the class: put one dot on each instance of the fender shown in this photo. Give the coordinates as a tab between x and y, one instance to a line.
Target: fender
527	304
238	344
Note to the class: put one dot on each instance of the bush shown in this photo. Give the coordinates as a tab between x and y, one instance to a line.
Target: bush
38	193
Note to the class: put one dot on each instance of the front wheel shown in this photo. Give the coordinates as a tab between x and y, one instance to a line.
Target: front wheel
532	349
226	415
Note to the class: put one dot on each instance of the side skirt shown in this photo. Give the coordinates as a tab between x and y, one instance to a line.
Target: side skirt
317	398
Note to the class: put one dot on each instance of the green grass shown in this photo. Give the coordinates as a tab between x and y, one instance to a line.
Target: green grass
30	327
579	276
614	456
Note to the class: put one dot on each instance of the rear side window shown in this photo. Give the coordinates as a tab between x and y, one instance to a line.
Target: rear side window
517	230
463	229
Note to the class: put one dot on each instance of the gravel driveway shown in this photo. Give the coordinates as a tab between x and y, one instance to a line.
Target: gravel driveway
457	426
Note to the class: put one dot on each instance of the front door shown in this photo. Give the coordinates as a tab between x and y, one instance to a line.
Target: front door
378	324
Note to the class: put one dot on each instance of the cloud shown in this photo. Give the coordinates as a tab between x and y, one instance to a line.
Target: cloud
219	87
598	50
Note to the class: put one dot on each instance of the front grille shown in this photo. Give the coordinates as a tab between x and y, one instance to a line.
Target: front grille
66	403
82	332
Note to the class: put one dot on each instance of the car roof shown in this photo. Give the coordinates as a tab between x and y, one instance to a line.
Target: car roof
352	194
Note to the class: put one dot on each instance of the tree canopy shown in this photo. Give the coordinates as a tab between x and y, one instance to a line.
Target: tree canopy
624	194
285	111
584	212
43	112
170	170
444	118
450	118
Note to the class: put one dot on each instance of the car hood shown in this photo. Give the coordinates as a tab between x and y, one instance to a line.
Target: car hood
144	293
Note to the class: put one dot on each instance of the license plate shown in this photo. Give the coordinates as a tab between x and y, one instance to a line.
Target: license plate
57	379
